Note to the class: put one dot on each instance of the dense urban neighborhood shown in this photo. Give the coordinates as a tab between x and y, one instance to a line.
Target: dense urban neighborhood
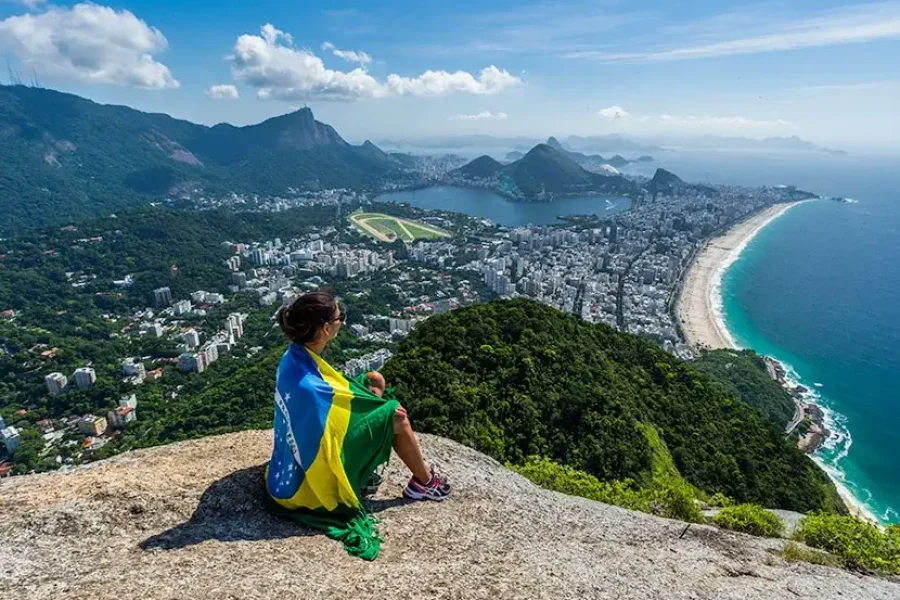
623	271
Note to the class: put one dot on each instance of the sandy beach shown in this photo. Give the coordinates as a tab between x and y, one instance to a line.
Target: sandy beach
699	307
700	312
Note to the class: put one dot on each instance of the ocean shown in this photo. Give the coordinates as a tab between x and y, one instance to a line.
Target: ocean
819	289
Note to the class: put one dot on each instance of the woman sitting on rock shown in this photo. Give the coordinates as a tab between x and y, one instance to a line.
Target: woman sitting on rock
331	433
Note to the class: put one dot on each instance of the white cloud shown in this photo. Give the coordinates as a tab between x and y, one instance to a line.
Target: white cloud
490	81
848	25
613	112
482	116
223	92
350	56
272	35
89	43
281	72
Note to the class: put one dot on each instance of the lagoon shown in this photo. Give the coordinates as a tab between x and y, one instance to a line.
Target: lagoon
488	205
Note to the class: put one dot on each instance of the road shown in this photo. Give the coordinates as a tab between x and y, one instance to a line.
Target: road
799	415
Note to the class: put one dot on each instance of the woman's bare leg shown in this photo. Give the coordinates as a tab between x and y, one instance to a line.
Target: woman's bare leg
407	447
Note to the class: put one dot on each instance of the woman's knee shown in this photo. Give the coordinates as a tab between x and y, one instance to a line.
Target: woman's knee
401	421
376	381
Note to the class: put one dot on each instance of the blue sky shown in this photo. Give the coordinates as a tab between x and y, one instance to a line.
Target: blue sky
826	71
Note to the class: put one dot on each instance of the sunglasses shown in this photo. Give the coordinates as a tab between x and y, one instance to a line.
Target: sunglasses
342	316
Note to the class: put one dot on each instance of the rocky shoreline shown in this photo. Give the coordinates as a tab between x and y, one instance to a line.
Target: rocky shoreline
809	422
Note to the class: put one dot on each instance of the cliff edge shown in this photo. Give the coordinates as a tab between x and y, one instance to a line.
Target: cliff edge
188	521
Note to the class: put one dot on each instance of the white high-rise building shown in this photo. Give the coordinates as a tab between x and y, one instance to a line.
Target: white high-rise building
162	296
10	438
56	383
181	307
191	338
234	325
84	377
259	256
404	325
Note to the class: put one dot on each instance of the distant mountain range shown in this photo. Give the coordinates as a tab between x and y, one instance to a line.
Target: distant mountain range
545	170
65	157
594	160
516	146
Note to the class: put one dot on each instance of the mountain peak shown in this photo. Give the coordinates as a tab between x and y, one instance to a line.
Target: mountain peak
665	177
554	143
482	167
190	517
300	130
57	148
543	149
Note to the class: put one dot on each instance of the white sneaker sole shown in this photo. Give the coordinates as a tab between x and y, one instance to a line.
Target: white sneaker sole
419	496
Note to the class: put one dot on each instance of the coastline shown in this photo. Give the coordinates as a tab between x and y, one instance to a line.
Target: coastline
699	310
699	305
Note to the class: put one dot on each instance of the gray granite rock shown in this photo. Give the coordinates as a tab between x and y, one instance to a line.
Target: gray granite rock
187	521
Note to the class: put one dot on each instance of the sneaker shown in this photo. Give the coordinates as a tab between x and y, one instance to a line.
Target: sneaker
437	488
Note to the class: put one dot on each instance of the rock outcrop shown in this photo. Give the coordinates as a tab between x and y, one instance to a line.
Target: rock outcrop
188	521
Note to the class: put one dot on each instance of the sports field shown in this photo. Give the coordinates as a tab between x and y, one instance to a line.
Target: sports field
386	228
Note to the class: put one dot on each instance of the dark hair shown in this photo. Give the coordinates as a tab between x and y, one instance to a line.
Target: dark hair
303	318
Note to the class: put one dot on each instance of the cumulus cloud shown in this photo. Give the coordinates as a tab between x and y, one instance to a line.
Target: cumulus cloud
490	80
613	112
270	63
89	43
350	56
223	92
482	116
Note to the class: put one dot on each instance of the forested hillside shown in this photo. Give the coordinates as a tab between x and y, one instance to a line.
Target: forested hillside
516	379
744	374
66	158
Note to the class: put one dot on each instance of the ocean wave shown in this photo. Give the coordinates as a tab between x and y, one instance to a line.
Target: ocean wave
836	447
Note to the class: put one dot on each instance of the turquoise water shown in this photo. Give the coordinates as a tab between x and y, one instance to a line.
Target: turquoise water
819	289
485	204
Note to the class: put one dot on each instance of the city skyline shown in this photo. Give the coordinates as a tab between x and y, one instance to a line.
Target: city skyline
395	69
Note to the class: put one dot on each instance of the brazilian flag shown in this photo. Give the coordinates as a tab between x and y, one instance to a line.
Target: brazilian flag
331	433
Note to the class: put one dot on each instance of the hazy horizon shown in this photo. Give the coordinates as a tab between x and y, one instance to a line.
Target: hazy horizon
817	70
